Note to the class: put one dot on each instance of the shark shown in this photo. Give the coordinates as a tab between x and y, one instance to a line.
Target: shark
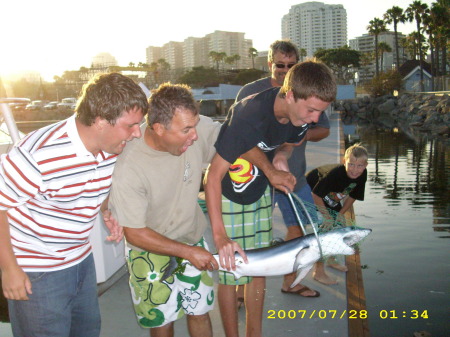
297	255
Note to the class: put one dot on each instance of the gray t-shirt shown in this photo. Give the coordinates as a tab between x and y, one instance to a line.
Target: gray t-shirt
158	190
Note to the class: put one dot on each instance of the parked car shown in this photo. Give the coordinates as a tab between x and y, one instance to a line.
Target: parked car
67	103
51	106
35	105
16	104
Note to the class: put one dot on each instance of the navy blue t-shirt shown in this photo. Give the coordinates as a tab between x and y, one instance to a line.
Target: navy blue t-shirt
251	122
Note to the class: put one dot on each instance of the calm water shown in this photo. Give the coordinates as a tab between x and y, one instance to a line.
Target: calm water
406	259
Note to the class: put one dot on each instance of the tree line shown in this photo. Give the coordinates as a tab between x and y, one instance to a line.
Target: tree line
432	33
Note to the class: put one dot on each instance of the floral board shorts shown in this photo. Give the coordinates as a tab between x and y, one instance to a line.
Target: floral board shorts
156	302
250	226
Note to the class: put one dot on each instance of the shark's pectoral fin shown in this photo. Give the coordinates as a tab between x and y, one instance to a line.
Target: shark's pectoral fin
304	261
301	273
306	257
236	275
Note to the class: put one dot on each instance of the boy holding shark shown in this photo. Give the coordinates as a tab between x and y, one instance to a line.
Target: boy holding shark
237	192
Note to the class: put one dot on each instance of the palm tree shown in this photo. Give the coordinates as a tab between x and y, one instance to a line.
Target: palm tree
375	27
395	15
222	57
154	69
302	53
418	11
164	66
383	47
444	34
438	34
217	57
252	52
229	60
236	59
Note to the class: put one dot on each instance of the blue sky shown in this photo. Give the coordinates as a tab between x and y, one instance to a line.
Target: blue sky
51	36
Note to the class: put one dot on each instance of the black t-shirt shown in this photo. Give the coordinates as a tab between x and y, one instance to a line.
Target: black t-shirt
331	183
251	122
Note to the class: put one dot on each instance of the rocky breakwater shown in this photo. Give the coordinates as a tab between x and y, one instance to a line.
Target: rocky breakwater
411	112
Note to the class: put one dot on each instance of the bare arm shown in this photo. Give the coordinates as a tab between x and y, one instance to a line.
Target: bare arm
348	202
151	241
213	189
280	179
15	282
115	230
317	133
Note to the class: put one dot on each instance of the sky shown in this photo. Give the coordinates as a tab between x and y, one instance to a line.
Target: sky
52	36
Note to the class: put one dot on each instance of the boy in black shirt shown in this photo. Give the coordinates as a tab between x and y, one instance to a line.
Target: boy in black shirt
237	183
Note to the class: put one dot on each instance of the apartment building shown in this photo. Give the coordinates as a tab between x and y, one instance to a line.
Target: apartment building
366	44
194	51
314	25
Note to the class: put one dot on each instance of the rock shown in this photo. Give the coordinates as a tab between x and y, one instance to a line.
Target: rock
386	107
428	112
443	130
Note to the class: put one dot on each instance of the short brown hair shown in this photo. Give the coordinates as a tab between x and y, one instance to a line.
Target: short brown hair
107	96
166	99
285	47
310	79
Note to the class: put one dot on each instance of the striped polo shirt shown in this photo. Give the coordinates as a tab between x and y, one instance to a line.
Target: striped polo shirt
52	188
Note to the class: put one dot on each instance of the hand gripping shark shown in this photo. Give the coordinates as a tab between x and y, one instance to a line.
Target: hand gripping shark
297	255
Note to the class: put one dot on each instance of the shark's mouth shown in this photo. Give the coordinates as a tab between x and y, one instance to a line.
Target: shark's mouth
355	236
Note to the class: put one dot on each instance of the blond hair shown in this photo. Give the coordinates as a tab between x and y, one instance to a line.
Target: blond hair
356	150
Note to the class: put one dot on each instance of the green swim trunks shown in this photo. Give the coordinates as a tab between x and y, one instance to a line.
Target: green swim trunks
248	225
156	302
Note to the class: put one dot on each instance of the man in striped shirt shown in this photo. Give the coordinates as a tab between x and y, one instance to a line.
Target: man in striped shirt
52	185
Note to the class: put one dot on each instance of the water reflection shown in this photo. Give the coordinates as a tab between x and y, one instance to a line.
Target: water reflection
407	205
405	168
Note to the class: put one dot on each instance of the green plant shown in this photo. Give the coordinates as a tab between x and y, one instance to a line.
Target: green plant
385	83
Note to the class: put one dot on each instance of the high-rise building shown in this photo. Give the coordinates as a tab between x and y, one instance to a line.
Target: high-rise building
366	45
173	54
194	51
103	60
231	43
153	54
315	25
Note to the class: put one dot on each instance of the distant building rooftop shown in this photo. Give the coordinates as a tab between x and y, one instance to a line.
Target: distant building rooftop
409	66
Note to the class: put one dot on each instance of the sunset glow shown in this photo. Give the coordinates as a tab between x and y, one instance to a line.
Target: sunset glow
50	36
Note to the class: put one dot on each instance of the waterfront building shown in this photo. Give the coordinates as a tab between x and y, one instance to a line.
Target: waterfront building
315	25
194	51
366	45
261	61
153	54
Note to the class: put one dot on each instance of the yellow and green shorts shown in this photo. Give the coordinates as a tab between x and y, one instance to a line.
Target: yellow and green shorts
157	303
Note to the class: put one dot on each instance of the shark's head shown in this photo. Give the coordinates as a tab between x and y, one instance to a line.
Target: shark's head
353	235
341	241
